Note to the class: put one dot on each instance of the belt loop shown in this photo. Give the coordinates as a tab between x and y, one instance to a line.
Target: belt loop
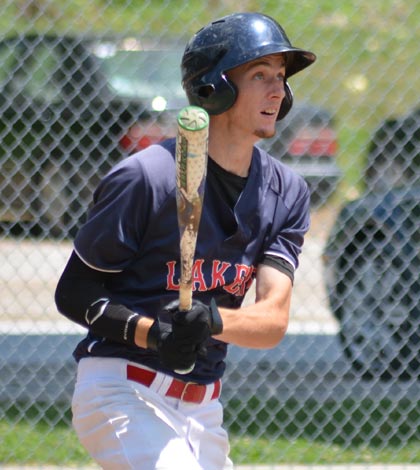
161	383
184	390
217	389
210	392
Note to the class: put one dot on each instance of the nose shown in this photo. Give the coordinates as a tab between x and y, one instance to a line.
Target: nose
277	89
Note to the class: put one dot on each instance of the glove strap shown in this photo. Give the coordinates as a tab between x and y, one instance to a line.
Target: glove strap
153	336
216	319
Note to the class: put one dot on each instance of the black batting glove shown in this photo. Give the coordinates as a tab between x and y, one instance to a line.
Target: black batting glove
197	324
192	325
201	319
174	353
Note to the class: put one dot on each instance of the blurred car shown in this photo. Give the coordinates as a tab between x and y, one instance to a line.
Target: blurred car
70	108
307	141
393	158
372	258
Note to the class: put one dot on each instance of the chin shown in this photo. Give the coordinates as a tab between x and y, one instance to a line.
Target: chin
265	133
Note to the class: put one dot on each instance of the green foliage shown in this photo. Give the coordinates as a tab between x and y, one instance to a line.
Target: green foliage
367	51
366	70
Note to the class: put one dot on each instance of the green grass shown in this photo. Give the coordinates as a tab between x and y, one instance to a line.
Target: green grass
40	434
305	452
363	431
351	432
26	443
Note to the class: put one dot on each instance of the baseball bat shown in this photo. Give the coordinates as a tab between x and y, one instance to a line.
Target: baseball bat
191	170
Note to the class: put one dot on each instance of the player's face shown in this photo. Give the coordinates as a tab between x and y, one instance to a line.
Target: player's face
260	85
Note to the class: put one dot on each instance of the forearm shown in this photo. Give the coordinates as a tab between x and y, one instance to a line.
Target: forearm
262	324
82	297
254	326
142	331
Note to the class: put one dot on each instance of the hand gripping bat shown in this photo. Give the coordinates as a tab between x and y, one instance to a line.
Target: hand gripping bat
191	170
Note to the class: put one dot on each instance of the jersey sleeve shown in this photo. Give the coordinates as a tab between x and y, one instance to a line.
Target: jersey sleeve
291	220
122	203
281	265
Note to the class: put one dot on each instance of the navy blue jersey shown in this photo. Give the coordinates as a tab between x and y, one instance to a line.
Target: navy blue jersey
132	231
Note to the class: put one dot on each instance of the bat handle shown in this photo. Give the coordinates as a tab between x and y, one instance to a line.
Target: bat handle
185	296
185	304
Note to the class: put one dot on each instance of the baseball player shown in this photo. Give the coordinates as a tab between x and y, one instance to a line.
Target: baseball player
131	410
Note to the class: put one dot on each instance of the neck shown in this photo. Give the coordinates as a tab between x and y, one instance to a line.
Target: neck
231	152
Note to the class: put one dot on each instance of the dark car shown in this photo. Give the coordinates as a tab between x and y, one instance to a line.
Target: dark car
70	108
372	258
306	140
393	158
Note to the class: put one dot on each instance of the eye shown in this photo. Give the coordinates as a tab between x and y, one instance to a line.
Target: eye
259	76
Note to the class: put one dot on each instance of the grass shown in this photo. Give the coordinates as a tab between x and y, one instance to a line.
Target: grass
365	432
26	443
304	452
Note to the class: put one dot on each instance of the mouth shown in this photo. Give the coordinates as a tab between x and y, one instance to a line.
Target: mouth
270	112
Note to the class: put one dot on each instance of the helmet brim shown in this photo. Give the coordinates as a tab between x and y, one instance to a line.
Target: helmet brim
297	59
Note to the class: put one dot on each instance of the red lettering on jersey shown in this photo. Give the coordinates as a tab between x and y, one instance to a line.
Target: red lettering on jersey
170	284
242	278
197	276
217	273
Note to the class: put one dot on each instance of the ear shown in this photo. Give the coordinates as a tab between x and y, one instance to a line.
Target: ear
287	102
215	98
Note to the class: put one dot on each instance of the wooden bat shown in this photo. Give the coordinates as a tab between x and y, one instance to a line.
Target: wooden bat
191	170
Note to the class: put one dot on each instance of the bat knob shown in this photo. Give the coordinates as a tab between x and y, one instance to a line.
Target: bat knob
193	118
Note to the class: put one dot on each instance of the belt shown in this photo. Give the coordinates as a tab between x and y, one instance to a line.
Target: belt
185	391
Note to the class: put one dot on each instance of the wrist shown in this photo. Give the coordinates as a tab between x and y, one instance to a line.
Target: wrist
141	334
112	320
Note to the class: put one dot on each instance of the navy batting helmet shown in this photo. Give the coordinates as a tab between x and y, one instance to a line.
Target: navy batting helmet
227	43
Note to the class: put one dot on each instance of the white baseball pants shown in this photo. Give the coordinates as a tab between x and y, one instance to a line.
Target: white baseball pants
126	425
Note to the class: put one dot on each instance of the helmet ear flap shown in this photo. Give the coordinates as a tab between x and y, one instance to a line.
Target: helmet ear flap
287	102
214	98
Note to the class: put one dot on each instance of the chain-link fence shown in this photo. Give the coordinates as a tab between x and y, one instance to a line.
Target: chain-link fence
82	84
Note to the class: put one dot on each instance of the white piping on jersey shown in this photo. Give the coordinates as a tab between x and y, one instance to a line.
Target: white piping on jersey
95	267
90	347
282	256
100	312
133	315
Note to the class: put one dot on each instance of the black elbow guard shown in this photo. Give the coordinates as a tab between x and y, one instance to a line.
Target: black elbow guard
113	321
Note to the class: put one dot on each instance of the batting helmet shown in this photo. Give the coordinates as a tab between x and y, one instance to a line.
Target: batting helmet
227	43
